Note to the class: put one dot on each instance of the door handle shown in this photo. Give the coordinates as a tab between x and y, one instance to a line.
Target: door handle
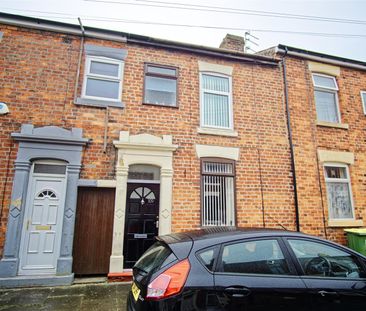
324	293
237	292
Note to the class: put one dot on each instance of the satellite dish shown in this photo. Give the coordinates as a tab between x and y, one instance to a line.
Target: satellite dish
4	108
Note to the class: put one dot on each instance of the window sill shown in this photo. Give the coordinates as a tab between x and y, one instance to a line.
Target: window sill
160	105
331	124
217	132
345	223
98	103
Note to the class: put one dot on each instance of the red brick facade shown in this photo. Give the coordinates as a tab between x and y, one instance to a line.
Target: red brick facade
38	83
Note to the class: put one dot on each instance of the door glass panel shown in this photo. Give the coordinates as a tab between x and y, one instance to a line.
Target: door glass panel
322	260
259	257
144	172
49	169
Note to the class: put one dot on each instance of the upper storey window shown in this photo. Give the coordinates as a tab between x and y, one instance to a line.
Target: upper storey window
160	85
216	101
103	76
326	98
103	79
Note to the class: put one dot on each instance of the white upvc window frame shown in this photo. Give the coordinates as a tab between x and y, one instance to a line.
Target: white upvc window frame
327	90
339	180
118	79
230	102
363	99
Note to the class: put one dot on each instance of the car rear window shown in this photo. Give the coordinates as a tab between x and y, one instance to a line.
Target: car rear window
156	257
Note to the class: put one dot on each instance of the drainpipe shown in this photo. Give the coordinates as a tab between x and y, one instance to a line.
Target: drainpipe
80	58
290	141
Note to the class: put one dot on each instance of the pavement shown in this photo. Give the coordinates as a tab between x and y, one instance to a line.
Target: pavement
85	296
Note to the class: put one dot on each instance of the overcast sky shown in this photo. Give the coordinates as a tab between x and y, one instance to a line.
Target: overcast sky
142	16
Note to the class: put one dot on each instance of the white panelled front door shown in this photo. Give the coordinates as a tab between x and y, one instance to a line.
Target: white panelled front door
42	228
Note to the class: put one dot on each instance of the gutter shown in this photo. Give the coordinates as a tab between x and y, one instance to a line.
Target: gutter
289	129
209	51
319	59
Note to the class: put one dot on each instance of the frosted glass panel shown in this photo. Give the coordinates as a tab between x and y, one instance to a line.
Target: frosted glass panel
339	200
160	91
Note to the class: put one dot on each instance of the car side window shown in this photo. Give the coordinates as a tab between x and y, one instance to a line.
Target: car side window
207	257
257	257
318	259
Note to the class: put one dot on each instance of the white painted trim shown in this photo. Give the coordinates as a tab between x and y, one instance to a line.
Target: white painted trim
328	90
141	149
105	183
87	74
230	100
335	180
205	151
363	99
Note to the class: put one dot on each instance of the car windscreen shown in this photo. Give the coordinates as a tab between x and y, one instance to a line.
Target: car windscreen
155	258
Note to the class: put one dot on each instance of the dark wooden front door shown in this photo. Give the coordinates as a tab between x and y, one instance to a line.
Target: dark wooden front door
93	231
142	210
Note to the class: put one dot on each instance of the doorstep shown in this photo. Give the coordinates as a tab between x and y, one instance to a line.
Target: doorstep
125	276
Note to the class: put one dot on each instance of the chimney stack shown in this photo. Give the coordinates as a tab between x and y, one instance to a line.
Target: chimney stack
233	43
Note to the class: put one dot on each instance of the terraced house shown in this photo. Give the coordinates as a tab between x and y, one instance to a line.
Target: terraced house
113	138
327	109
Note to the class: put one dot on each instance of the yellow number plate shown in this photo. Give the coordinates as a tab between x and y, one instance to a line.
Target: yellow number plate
135	291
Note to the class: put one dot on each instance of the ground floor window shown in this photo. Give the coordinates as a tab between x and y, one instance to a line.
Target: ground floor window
218	183
339	191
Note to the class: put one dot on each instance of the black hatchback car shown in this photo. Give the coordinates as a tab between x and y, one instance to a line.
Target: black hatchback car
247	269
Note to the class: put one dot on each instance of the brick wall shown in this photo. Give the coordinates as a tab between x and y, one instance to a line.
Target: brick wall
38	78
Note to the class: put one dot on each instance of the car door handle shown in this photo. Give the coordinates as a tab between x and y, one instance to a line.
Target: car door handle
324	293
237	292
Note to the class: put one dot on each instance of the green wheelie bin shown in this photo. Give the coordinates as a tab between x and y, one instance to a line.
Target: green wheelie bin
357	239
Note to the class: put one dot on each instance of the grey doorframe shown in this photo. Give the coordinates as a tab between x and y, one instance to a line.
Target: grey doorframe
49	142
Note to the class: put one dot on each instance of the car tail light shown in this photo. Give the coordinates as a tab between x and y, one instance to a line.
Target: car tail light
169	282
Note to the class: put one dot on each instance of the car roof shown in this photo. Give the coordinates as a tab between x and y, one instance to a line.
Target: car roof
224	234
